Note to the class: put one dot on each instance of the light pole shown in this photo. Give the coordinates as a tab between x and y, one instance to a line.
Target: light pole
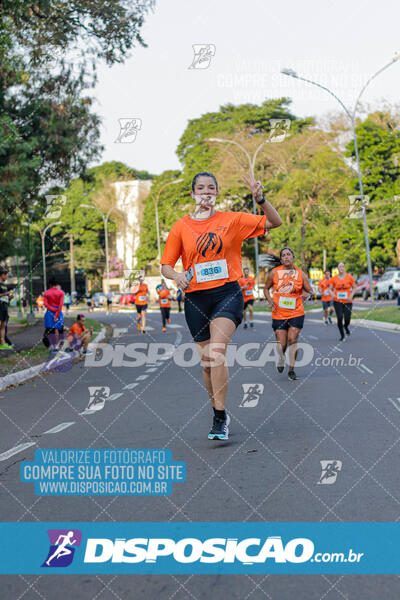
105	217
252	162
17	244
352	117
155	200
30	318
43	237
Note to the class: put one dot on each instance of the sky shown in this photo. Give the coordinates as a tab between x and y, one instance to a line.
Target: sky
338	44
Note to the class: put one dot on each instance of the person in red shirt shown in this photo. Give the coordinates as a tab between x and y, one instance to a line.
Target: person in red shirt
290	287
141	303
327	300
164	299
53	300
247	285
342	288
209	243
79	337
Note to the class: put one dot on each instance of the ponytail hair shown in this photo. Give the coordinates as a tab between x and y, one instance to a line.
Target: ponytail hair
273	260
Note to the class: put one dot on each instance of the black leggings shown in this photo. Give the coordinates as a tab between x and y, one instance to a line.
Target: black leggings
164	315
343	309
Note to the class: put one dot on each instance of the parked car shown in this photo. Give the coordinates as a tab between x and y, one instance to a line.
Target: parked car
389	284
99	299
362	285
126	299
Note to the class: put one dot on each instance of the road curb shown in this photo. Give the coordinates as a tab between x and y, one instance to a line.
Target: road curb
21	376
368	324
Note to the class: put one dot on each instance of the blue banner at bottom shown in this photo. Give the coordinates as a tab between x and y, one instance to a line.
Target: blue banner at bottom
195	548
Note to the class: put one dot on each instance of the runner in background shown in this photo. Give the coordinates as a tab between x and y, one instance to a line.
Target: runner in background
342	287
179	298
247	285
326	297
141	303
210	244
67	302
5	297
109	301
53	299
39	302
164	298
290	287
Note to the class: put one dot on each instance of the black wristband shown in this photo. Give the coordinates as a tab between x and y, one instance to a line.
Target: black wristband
262	201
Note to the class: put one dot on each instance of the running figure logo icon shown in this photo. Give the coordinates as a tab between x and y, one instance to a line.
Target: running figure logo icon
251	394
203	54
97	397
210	242
63	543
330	470
128	129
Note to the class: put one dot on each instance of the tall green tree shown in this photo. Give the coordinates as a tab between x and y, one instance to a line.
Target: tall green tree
49	50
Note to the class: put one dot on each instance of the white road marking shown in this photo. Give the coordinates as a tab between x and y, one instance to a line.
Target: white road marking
366	369
141	377
174	326
15	450
59	427
114	397
151	370
313	337
396	403
130	386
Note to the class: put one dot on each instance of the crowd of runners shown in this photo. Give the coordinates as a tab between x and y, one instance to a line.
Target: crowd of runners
217	295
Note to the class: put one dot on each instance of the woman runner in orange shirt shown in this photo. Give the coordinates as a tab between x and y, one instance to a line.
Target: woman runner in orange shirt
290	286
164	297
141	303
342	290
210	243
247	286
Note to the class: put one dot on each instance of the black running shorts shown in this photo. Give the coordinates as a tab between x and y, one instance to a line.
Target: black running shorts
251	302
203	306
280	324
140	307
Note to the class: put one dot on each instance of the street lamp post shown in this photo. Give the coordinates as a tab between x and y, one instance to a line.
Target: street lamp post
30	318
156	200
17	244
43	237
252	162
105	217
352	117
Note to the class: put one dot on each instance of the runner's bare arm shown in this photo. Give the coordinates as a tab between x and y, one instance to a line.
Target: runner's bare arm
179	278
267	287
307	286
273	218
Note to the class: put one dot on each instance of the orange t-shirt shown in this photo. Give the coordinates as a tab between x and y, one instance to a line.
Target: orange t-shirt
164	298
323	286
211	249
247	286
141	295
288	290
342	287
77	329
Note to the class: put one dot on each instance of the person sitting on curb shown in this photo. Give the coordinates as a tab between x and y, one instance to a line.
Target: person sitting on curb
79	337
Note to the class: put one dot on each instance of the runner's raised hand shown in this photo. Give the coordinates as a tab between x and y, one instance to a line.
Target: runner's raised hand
254	186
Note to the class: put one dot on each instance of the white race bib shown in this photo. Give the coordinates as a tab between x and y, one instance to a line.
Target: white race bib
164	300
287	302
248	292
142	298
342	295
212	270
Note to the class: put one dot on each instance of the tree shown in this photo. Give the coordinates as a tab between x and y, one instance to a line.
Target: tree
378	139
48	133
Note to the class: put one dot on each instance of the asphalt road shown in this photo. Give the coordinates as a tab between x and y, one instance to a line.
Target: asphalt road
268	470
